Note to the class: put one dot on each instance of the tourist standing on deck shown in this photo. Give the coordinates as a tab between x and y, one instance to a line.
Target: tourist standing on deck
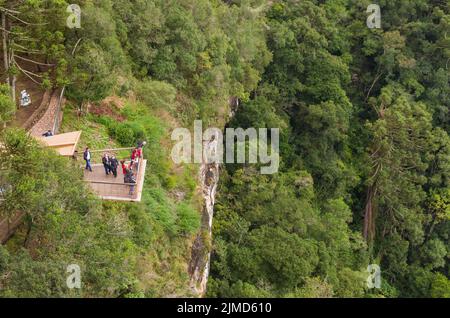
129	178
136	154
106	163
124	167
113	163
87	158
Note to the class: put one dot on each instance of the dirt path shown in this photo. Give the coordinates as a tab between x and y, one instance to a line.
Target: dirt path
36	92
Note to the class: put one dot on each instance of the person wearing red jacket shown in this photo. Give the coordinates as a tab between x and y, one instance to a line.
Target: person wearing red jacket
136	153
136	156
124	167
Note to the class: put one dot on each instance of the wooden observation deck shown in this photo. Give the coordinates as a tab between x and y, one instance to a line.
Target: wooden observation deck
109	188
105	186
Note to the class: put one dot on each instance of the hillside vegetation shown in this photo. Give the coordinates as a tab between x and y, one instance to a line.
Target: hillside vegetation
166	63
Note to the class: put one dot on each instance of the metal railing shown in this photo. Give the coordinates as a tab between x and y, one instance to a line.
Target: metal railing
56	121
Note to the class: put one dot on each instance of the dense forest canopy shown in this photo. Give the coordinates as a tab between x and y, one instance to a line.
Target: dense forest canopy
365	157
364	150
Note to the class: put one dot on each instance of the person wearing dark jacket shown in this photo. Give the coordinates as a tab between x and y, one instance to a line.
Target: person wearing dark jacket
87	158
141	144
114	163
129	178
106	163
48	133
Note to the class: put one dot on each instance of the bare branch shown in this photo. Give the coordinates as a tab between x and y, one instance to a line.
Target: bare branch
76	45
18	45
28	51
11	32
9	10
25	73
373	84
28	72
32	61
24	22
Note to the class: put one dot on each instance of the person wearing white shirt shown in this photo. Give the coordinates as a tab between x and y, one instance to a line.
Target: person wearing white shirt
87	158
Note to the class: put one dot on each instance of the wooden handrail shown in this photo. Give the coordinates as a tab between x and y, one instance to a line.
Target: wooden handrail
61	145
113	149
138	173
111	183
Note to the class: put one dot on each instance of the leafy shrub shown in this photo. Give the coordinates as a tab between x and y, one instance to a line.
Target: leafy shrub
188	219
141	220
7	107
170	182
127	134
156	94
124	134
161	209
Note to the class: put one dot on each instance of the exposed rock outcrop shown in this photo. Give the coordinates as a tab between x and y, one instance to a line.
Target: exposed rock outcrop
201	249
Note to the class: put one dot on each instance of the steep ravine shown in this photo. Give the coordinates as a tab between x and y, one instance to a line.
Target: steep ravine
201	249
199	265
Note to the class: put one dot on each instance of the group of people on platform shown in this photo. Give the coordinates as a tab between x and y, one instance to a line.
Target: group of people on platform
111	164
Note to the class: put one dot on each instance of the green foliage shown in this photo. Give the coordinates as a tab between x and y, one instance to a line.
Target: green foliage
91	74
156	94
126	134
362	112
64	225
7	107
278	239
188	219
364	121
440	287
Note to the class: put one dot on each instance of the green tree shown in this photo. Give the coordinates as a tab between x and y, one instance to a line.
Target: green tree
7	106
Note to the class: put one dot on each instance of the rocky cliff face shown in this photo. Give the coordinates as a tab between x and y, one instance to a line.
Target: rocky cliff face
209	179
201	249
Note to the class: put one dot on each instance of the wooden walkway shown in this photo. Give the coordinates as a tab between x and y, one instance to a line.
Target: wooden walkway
109	188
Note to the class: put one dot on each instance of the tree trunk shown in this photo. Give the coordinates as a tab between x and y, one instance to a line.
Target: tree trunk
13	88
5	48
369	218
13	81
